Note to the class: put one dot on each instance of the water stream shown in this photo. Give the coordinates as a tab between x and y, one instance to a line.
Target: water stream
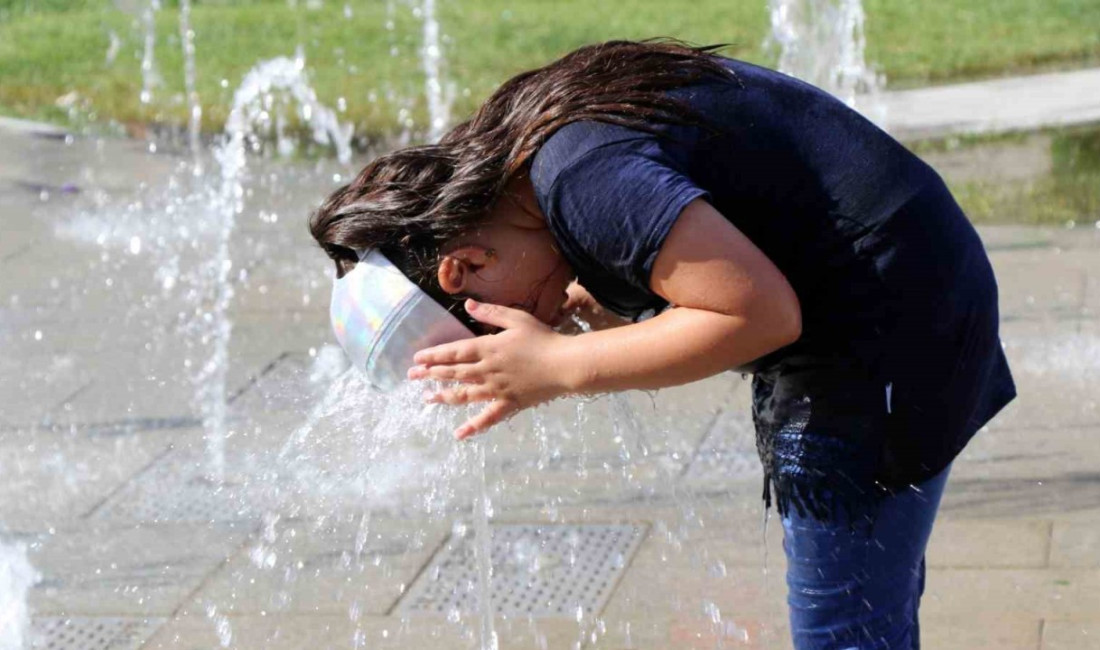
264	91
194	107
17	576
483	536
431	58
149	76
822	42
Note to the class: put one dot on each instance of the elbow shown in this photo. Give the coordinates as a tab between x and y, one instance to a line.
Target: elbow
794	327
788	323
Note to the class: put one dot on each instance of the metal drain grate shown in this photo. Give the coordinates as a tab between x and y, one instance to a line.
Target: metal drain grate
539	571
727	452
175	489
91	633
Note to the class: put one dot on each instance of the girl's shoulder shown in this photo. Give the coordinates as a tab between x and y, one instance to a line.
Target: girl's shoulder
573	142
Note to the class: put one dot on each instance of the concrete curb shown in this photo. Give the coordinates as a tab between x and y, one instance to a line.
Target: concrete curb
987	107
27	127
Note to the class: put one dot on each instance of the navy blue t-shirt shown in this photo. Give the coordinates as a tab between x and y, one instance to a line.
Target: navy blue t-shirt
899	362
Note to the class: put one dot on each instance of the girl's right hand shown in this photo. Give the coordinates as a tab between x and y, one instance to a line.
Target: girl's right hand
582	305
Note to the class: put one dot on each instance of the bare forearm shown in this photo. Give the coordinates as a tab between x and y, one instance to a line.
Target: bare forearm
679	346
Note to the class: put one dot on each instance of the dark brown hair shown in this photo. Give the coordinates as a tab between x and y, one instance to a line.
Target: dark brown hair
409	203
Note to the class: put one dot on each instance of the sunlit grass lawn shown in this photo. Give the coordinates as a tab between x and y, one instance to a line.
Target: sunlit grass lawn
49	48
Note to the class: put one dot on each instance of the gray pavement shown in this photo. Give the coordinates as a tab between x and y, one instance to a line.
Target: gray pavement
1010	104
644	511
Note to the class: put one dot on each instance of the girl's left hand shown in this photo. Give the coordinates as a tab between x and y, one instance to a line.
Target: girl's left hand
518	367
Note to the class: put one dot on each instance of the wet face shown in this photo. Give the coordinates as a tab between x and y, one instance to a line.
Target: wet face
511	260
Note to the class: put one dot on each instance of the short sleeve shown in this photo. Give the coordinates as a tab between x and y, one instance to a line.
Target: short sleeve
612	207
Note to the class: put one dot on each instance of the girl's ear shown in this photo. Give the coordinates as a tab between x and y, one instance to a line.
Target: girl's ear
452	274
457	267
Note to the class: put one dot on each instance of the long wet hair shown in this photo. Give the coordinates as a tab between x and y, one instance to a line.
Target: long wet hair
409	203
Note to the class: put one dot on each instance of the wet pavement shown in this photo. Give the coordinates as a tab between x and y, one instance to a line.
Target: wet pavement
644	511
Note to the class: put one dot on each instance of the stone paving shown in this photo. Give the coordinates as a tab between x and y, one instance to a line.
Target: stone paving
106	480
991	106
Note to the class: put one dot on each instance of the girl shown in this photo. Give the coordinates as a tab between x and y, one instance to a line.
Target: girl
770	229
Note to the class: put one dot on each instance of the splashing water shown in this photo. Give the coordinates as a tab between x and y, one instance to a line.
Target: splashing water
149	76
194	107
253	103
259	95
17	576
822	42
431	57
483	512
403	456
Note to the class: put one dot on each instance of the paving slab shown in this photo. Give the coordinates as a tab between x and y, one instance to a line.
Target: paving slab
301	567
126	383
94	280
739	593
693	631
982	632
144	571
1071	635
1054	368
1008	104
1075	544
29	397
1046	495
51	480
294	276
676	519
1047	284
247	632
105	164
1018	543
326	631
727	452
182	486
1026	593
1032	451
701	632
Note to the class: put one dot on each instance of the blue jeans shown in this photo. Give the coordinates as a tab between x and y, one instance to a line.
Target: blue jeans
858	586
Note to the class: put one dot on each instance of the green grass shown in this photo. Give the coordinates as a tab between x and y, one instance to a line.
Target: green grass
49	48
1068	192
950	40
